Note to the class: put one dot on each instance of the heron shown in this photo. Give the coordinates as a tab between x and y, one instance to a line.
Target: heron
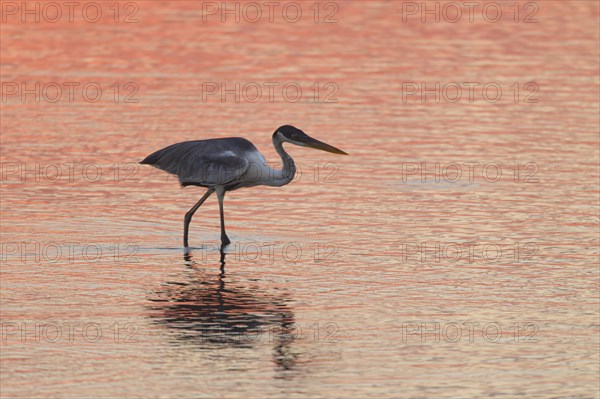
227	164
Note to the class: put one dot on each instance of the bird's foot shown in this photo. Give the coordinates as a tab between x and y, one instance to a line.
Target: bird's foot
225	240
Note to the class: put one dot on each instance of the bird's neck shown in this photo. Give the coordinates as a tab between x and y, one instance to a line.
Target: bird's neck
281	177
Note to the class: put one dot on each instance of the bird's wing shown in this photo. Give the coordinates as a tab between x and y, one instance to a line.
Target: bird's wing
212	170
203	162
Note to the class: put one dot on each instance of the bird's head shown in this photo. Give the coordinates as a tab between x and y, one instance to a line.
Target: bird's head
290	134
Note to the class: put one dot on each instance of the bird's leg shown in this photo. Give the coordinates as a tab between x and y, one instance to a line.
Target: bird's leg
224	239
188	216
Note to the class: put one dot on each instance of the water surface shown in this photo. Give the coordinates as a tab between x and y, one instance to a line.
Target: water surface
361	278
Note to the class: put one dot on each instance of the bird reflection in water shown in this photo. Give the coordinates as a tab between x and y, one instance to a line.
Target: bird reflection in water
213	313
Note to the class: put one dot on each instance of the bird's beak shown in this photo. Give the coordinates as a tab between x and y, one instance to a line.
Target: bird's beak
319	145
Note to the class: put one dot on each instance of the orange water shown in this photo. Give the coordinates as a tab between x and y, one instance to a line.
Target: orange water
333	282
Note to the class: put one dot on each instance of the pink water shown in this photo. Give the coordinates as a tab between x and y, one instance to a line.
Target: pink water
347	282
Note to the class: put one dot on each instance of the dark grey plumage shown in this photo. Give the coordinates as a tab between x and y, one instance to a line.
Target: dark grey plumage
206	163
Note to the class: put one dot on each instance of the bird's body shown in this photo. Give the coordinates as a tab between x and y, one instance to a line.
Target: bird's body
232	162
228	164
